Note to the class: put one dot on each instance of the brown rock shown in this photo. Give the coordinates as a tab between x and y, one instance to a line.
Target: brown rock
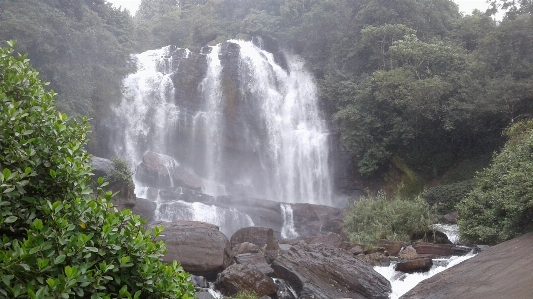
239	277
246	247
318	271
256	259
331	239
440	249
416	265
200	247
259	236
408	253
502	271
392	247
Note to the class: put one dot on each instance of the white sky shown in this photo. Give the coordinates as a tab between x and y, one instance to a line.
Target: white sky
465	6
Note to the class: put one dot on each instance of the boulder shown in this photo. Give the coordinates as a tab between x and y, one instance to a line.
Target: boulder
392	247
246	247
161	171
331	239
440	249
200	247
256	259
502	271
415	265
240	277
319	271
408	253
145	208
312	220
260	236
101	167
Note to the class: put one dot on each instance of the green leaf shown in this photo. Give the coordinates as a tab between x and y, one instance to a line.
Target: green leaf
10	219
59	259
25	266
38	224
52	173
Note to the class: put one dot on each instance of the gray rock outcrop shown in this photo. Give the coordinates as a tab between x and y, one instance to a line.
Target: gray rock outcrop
318	271
200	247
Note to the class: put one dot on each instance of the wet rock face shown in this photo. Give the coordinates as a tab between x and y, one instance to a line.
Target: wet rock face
414	265
260	236
240	277
160	171
318	271
200	247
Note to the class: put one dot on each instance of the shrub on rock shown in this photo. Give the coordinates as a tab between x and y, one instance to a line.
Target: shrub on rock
59	238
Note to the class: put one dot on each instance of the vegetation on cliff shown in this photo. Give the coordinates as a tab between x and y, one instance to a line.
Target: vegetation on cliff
500	207
61	239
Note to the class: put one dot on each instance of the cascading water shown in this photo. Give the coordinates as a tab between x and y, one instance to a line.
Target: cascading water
288	231
240	119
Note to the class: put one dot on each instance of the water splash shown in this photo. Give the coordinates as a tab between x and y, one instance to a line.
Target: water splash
401	282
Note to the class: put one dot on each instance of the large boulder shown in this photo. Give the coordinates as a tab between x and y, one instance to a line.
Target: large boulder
319	271
200	247
239	277
161	171
260	236
502	271
101	167
392	247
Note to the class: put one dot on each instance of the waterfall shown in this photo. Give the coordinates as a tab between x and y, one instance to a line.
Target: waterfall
288	231
234	119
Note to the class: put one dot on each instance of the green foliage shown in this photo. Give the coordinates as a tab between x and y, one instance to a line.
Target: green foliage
376	217
444	198
500	206
246	295
121	173
59	239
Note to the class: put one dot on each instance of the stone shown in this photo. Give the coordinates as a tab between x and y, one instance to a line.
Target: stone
501	271
408	253
331	239
392	247
415	265
200	247
260	236
239	277
145	208
204	295
199	282
246	247
319	271
256	259
164	172
440	249
101	167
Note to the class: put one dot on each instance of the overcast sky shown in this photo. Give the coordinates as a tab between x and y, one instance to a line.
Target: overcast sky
466	6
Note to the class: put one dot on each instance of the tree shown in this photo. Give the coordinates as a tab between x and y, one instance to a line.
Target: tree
59	238
500	206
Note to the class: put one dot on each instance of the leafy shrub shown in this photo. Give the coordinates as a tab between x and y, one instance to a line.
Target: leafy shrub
59	239
121	173
444	198
500	206
377	217
246	295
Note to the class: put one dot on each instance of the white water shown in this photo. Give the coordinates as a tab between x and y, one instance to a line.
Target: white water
451	231
267	140
288	231
401	282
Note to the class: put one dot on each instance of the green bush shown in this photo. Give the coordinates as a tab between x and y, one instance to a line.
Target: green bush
377	217
444	198
500	206
246	295
60	239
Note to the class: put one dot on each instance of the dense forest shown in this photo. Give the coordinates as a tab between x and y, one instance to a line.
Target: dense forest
418	93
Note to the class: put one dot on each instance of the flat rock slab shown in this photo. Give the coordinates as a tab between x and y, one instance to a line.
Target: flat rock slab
319	271
502	271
